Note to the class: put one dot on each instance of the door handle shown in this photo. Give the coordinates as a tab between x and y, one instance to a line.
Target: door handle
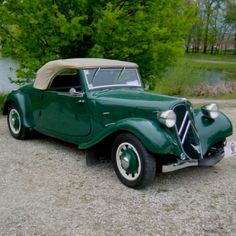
80	101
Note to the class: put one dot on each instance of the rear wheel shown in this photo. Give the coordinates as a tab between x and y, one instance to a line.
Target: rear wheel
15	125
133	164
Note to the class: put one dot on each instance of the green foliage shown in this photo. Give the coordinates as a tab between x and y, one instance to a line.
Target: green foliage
231	11
150	33
153	40
2	97
180	80
231	18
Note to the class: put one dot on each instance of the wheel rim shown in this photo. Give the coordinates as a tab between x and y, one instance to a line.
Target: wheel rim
128	161
14	121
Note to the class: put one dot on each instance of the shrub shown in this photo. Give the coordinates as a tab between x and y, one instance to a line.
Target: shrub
180	80
2	97
207	90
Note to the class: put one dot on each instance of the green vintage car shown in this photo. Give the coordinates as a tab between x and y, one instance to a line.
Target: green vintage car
101	106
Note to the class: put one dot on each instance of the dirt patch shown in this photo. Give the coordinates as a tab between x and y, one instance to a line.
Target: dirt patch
47	189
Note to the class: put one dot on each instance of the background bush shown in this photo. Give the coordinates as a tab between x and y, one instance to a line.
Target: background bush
150	33
2	97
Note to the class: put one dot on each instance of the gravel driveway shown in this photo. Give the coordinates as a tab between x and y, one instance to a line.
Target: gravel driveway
47	189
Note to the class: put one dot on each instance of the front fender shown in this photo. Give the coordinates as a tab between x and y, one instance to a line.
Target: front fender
212	131
155	138
23	103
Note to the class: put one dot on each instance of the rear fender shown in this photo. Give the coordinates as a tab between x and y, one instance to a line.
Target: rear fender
23	103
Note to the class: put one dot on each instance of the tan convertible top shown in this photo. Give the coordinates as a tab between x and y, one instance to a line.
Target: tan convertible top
48	71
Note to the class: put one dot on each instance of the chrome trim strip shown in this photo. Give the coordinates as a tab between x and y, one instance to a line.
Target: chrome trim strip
182	125
186	131
106	113
109	124
115	85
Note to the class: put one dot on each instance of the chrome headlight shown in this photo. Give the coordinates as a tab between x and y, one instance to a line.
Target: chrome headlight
167	118
211	111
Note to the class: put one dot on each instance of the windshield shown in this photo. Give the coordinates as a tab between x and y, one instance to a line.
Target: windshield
108	77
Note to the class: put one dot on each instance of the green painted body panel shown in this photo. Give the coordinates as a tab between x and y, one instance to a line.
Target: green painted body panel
62	115
154	137
212	131
23	102
98	114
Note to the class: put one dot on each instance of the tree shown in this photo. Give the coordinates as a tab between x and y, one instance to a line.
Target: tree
210	8
194	36
210	29
149	32
231	18
217	27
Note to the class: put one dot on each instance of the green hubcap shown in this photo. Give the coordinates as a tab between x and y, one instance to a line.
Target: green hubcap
14	121
129	161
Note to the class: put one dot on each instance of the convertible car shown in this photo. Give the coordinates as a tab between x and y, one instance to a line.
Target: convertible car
101	105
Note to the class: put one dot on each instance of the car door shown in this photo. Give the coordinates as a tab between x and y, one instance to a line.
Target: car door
62	113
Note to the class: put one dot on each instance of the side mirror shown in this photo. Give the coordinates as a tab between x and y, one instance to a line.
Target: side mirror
73	91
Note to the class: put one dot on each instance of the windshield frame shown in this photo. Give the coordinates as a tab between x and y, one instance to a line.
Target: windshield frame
113	85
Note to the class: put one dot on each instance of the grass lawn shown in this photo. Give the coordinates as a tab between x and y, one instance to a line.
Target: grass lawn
228	96
217	57
225	63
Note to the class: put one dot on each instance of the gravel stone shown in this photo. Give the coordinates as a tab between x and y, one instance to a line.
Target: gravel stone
46	188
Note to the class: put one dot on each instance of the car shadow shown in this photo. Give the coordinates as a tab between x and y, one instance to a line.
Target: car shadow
175	179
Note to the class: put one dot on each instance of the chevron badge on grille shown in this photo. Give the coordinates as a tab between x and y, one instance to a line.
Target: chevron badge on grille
196	148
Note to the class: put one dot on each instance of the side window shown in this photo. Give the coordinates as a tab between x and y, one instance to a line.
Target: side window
66	80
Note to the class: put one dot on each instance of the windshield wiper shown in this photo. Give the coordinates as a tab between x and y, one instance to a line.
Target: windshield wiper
121	73
95	74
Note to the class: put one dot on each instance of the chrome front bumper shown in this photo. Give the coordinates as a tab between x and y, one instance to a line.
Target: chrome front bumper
207	161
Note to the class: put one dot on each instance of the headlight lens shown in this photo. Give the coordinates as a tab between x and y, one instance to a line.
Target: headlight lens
211	111
167	118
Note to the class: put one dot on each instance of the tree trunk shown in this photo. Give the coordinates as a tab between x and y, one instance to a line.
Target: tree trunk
205	43
187	49
212	49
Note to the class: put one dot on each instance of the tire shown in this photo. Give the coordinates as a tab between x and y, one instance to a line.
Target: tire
15	124
134	165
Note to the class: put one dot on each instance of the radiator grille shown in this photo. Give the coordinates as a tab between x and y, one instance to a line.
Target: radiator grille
187	132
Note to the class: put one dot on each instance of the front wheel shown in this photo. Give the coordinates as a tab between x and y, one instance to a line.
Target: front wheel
15	125
133	164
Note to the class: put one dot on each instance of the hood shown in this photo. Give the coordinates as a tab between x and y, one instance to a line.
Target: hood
135	98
